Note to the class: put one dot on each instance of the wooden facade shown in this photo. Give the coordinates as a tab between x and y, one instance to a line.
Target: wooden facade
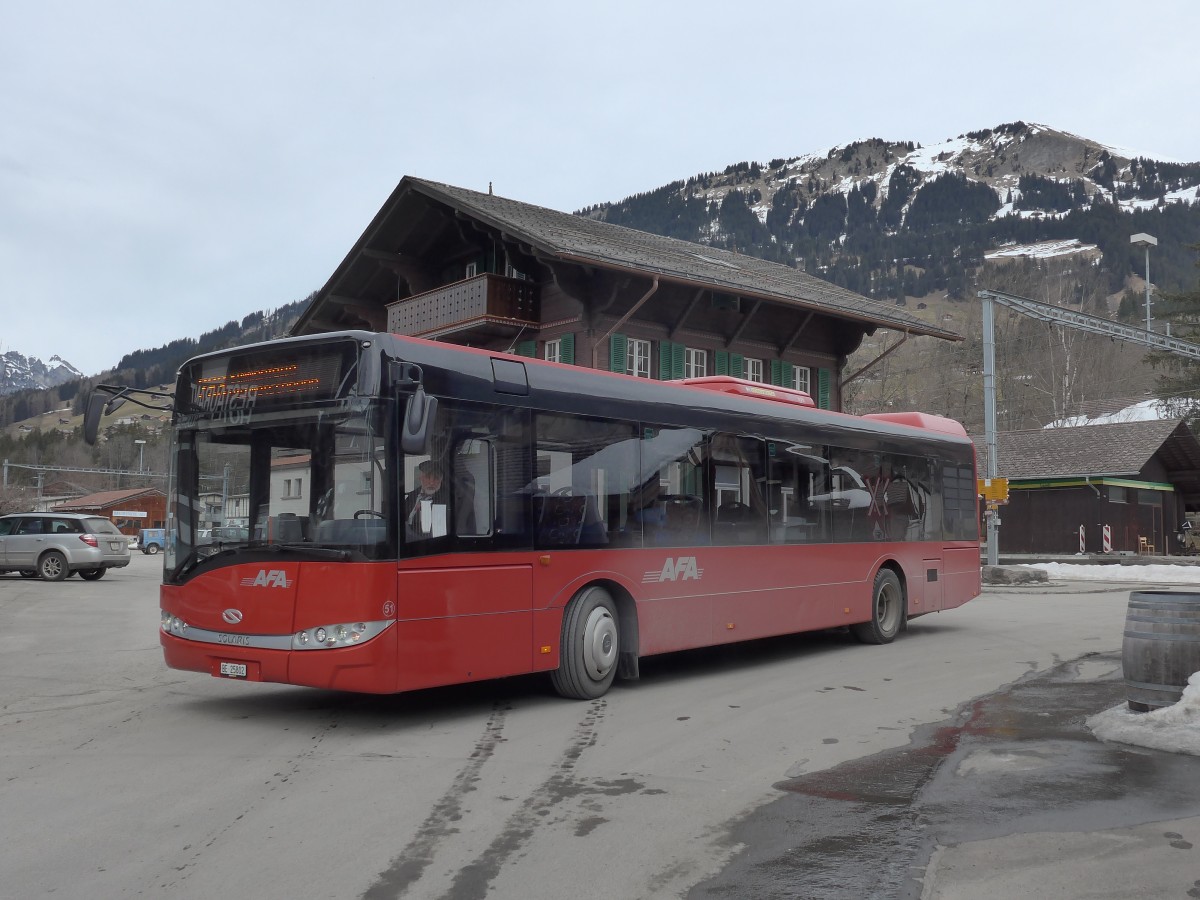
454	265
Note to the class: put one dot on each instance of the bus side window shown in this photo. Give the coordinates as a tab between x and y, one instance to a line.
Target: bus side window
586	471
472	488
740	508
798	493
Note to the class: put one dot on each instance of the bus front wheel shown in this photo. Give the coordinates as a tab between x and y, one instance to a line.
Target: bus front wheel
887	611
590	646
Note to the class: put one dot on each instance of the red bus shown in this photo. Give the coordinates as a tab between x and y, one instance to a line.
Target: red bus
400	514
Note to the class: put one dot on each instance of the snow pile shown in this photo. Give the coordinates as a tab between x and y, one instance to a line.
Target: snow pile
1152	574
1145	411
1174	728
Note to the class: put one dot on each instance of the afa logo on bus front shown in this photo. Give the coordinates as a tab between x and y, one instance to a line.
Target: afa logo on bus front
268	578
682	568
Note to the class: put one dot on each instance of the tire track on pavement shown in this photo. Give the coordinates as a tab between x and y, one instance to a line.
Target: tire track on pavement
407	868
473	880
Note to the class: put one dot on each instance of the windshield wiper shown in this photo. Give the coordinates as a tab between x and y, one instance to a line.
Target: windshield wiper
300	547
195	559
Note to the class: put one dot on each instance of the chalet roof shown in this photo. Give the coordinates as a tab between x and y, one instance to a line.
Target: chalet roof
590	242
105	499
1116	450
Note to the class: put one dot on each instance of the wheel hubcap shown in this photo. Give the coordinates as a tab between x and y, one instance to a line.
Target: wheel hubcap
887	608
599	643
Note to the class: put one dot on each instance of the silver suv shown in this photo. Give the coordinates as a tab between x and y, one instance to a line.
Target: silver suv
53	545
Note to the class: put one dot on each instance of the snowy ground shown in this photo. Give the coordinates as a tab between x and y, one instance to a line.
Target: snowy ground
1175	728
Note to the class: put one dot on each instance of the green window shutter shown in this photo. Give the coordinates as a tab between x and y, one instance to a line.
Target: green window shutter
664	360
677	355
616	353
823	388
737	365
777	372
567	354
527	348
722	362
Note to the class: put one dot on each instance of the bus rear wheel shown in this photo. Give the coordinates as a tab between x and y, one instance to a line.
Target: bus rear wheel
887	611
591	644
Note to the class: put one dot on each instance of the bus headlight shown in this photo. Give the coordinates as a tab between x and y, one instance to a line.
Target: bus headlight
342	634
172	624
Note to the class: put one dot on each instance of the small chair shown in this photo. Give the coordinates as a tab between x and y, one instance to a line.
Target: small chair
1145	548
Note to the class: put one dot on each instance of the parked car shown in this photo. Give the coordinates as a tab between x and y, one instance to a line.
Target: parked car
230	533
152	540
53	545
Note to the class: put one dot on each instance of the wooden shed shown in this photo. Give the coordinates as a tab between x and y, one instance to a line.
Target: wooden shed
130	510
1069	487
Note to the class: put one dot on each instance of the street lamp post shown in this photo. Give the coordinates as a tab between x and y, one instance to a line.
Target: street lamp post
141	450
1141	239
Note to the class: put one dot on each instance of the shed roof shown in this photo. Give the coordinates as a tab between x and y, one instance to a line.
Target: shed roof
105	499
591	242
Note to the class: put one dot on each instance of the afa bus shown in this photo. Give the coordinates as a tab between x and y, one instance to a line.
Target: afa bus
399	514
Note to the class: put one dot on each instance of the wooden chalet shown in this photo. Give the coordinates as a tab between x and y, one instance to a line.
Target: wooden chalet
455	265
1137	478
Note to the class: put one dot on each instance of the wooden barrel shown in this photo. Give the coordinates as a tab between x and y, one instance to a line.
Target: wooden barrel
1161	647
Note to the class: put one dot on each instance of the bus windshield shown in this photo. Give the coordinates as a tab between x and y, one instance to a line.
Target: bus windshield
313	482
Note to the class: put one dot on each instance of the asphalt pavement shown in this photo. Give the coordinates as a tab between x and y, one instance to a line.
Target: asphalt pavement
1011	797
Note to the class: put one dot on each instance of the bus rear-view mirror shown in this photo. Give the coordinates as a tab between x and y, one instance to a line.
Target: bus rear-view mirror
415	427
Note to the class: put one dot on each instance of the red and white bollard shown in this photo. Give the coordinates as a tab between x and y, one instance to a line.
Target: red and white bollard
1107	539
1082	542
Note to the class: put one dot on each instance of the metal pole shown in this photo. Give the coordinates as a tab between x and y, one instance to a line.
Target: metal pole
1147	287
989	419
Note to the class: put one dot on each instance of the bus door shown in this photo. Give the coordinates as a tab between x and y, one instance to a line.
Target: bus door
464	607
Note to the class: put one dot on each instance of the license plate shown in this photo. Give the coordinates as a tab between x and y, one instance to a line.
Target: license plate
114	545
233	670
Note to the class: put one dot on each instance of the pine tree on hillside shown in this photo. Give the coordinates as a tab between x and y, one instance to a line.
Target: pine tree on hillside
1178	382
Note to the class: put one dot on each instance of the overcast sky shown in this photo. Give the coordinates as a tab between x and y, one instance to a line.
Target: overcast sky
168	166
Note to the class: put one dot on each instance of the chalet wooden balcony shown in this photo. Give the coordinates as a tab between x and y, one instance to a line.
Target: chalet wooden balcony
484	306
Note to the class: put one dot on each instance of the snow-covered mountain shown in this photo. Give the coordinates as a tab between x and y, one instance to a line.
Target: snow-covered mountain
18	373
894	219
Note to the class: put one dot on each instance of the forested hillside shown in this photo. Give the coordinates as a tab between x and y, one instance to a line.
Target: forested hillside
147	368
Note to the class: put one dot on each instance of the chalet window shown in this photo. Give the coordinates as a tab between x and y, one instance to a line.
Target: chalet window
292	488
670	360
800	377
561	350
472	270
637	358
510	272
726	363
695	363
1116	493
754	369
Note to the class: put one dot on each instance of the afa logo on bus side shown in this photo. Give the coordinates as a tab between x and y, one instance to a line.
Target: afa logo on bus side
681	568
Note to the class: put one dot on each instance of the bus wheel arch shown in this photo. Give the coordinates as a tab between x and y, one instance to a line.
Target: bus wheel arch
595	635
889	607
